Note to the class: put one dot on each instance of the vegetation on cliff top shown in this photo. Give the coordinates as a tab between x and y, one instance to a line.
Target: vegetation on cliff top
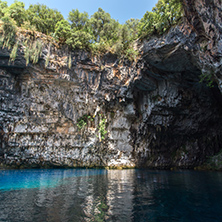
97	34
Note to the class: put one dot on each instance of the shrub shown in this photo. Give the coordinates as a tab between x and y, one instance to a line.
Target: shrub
9	32
102	127
32	51
13	53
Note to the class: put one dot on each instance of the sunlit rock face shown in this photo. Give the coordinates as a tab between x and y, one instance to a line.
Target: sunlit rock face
105	113
42	110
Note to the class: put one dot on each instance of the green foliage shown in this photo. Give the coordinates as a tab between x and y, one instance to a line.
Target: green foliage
3	6
102	207
36	51
131	54
99	34
80	37
27	55
43	18
27	25
123	40
103	27
79	40
78	20
127	35
100	47
62	30
132	25
9	32
165	14
109	35
82	121
70	62
208	79
90	118
147	25
13	53
17	12
47	59
32	51
102	127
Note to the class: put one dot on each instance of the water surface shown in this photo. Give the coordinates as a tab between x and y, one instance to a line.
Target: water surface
113	195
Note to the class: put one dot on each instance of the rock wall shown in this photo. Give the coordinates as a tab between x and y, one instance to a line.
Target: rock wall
41	110
105	113
204	17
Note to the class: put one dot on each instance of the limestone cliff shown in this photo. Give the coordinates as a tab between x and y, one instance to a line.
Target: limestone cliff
102	112
204	17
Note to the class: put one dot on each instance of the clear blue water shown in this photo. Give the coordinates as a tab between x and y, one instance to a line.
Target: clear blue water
110	195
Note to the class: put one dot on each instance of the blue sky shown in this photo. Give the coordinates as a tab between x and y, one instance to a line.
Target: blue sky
120	10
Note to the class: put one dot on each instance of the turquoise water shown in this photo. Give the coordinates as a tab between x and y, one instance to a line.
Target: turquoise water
110	195
28	179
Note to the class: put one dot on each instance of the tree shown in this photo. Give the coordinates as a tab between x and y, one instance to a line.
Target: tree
3	5
77	19
147	24
17	12
79	39
167	13
164	15
43	18
62	30
124	47
133	27
103	27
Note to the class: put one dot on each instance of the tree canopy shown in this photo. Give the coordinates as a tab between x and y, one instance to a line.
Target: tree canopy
99	33
3	5
43	18
77	19
62	30
164	15
17	12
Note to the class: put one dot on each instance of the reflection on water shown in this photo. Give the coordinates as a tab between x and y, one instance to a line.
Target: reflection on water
113	195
